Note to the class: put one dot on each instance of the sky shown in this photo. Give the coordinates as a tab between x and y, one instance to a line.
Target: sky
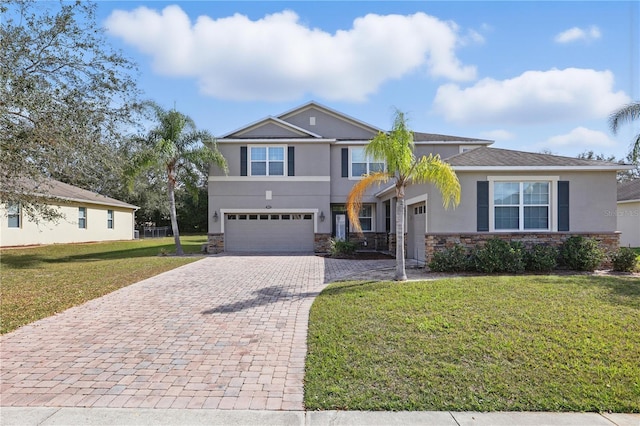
532	76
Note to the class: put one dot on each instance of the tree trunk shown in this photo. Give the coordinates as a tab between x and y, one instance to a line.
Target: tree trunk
401	274
174	216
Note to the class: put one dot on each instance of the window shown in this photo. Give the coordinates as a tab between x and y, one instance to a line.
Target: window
267	161
521	205
366	218
82	217
13	212
362	165
109	219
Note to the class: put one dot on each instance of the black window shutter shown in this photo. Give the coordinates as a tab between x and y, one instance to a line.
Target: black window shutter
345	162
563	205
291	164
483	206
243	161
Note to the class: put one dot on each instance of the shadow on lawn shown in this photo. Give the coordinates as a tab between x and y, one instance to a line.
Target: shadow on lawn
19	260
622	290
264	296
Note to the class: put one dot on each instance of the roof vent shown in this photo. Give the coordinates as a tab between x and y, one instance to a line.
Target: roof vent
312	121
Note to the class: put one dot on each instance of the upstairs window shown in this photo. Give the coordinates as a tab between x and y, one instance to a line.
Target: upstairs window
14	215
362	164
267	161
82	217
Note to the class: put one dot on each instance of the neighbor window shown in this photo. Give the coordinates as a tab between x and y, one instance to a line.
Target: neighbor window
82	217
521	205
366	218
109	219
267	160
13	212
362	164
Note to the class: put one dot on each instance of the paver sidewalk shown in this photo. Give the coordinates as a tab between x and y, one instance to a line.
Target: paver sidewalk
226	332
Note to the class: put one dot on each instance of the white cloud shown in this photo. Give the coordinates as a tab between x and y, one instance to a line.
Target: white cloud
279	58
580	138
532	97
498	135
577	34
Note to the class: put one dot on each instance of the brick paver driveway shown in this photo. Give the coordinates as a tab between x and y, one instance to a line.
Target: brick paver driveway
225	332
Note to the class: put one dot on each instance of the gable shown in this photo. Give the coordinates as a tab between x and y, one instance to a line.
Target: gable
329	123
271	128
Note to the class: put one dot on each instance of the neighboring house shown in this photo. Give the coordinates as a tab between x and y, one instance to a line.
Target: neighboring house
289	177
87	217
628	213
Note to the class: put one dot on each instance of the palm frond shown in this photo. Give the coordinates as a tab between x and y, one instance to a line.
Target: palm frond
627	113
354	199
433	169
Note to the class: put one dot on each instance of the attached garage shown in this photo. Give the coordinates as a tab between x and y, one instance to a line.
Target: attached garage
273	232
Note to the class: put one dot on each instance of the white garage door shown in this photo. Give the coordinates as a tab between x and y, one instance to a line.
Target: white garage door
282	232
415	231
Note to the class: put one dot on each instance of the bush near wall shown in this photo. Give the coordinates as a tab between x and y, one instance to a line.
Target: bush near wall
499	256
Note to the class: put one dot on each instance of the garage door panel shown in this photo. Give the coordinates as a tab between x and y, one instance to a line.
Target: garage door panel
269	232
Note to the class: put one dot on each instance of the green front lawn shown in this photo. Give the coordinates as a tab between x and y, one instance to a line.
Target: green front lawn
41	281
539	343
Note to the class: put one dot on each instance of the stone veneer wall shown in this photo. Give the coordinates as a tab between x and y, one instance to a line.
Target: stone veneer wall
322	243
609	241
215	243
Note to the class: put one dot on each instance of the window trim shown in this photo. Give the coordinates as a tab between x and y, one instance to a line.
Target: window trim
368	162
553	202
18	215
285	161
372	217
110	219
82	225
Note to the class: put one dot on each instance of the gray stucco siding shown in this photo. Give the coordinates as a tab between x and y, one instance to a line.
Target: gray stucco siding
591	196
253	195
329	126
272	130
311	159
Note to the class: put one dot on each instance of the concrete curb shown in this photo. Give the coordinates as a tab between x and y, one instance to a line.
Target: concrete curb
142	417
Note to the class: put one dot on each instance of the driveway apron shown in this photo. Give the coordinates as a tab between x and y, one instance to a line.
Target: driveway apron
225	332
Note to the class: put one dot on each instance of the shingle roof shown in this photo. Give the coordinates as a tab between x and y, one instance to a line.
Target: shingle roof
434	137
628	191
497	157
56	189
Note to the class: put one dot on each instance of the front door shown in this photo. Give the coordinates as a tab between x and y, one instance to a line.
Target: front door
340	226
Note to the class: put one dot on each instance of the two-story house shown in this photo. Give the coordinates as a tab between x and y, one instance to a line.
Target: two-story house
289	176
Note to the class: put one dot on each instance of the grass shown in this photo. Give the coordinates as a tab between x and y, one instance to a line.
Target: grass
526	343
41	281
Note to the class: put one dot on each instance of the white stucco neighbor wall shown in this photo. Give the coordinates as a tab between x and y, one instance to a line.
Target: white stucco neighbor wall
628	216
66	230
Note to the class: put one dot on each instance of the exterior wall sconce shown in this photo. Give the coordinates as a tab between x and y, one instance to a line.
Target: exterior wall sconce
215	216
321	216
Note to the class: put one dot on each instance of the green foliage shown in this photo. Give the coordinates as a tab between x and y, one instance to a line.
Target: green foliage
624	260
454	259
66	98
541	258
499	256
581	254
342	248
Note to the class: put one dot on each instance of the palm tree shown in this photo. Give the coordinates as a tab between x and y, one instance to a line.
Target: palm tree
628	113
396	150
181	150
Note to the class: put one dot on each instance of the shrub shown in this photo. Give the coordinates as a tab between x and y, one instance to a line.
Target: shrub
499	256
581	254
624	259
342	248
541	258
455	259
